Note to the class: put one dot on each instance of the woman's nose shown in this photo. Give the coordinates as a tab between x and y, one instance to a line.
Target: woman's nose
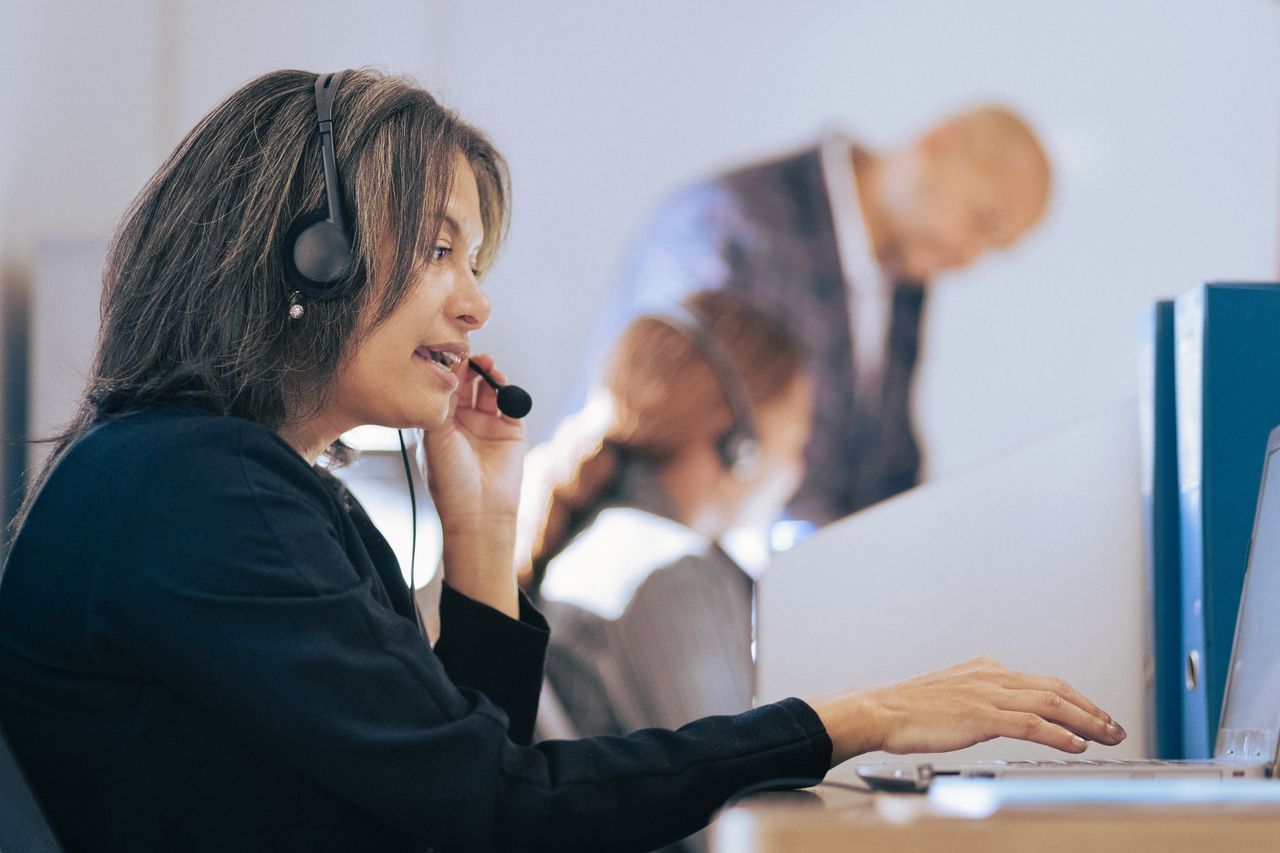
473	305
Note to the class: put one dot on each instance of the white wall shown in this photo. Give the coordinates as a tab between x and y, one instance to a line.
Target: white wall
1161	115
97	94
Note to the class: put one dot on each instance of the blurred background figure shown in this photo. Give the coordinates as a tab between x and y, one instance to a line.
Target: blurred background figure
710	411
840	241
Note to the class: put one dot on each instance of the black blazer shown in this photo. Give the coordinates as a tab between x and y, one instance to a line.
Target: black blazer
205	646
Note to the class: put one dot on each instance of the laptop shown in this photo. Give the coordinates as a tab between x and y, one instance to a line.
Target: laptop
1249	729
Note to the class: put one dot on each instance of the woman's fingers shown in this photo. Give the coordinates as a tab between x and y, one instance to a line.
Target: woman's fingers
481	397
1030	726
1097	724
1059	709
1053	699
957	707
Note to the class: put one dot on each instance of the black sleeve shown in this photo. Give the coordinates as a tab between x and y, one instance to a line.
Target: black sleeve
500	657
230	585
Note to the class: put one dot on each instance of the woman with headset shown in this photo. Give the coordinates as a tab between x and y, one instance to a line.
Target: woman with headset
707	410
204	642
706	414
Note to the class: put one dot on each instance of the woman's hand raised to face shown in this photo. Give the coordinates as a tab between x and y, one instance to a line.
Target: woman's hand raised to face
475	459
473	465
957	707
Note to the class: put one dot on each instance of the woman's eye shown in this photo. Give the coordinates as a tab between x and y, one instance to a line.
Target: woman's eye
439	253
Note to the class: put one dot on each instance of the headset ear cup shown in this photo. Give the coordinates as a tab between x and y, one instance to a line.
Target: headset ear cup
317	255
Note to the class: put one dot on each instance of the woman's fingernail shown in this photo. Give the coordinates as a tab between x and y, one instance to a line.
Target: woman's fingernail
1077	742
1115	731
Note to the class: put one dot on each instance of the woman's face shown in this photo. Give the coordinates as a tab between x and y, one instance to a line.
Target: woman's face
783	426
405	372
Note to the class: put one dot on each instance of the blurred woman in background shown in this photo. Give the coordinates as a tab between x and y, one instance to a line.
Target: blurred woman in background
710	408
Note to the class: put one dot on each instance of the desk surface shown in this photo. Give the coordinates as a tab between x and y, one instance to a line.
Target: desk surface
842	818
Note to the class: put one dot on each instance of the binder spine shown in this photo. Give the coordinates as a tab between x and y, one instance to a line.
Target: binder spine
1189	317
1159	467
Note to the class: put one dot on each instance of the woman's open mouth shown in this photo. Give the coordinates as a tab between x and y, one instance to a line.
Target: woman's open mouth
443	359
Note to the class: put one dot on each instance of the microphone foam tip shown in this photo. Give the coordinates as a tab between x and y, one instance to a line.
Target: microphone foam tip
514	401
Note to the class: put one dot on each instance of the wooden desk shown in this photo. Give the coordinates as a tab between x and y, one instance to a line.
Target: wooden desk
831	818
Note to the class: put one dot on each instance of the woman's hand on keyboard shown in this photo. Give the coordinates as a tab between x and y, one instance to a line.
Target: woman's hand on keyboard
957	707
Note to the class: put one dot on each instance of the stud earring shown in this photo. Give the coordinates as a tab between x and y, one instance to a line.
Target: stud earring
296	308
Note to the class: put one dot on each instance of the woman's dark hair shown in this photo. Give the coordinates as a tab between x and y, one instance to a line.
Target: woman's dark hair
195	300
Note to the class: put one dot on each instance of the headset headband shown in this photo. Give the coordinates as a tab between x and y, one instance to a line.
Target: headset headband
326	89
740	447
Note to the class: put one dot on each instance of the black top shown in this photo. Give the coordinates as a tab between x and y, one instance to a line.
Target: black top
204	645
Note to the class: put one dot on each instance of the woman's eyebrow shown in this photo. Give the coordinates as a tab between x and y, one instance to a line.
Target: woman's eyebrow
448	223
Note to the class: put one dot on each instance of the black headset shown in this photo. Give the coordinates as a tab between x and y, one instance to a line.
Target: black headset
739	448
317	248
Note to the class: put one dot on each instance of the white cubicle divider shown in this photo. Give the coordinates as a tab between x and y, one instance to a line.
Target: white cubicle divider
1034	559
